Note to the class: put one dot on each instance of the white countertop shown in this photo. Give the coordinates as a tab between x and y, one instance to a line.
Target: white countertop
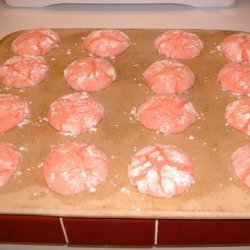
235	17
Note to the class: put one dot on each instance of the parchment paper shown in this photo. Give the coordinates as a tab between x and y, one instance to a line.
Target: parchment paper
217	193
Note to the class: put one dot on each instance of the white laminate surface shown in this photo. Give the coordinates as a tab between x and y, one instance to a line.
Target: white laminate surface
195	3
235	17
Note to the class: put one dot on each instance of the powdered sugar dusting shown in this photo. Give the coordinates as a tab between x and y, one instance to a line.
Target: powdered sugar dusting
167	113
35	42
133	115
107	42
82	168
241	163
169	42
154	171
235	47
14	111
238	115
125	190
81	113
169	77
90	74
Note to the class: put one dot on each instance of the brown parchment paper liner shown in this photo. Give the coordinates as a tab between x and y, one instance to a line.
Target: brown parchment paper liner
217	193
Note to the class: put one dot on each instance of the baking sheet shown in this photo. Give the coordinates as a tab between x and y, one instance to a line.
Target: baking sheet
217	193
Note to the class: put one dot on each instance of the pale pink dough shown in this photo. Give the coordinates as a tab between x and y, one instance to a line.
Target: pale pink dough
169	77
75	114
72	168
107	43
9	161
90	74
14	111
161	171
241	163
167	113
235	77
238	115
35	42
23	71
236	47
178	44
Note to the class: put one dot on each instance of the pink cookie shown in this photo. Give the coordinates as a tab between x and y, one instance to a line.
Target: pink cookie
169	114
23	71
178	44
75	113
236	47
89	74
241	163
235	77
238	115
13	111
72	168
169	77
9	161
161	171
107	43
36	42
